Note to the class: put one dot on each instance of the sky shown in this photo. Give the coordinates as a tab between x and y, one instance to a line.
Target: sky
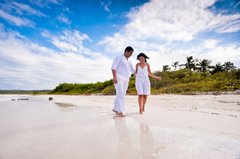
47	42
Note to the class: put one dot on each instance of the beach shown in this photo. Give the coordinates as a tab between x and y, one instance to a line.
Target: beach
73	127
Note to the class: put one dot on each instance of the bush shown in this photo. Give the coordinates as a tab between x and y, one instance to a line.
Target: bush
181	81
110	90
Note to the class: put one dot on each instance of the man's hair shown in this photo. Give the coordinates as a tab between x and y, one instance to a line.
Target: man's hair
129	48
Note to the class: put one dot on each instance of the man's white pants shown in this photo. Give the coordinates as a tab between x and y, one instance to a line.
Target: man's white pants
121	89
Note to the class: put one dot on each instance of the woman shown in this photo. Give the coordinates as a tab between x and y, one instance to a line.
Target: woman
142	80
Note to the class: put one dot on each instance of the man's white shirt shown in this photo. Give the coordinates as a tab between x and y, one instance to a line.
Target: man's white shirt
123	67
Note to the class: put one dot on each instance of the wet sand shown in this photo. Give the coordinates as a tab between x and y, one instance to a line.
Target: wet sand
84	127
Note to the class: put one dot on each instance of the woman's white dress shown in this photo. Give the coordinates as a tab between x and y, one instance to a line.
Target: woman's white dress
142	81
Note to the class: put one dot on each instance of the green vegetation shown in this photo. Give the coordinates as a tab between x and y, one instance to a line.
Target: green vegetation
104	88
185	82
192	77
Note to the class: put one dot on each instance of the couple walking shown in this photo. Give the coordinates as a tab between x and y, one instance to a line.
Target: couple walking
122	69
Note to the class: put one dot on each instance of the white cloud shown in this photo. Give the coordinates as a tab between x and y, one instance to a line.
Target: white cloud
14	12
67	10
171	21
70	41
20	8
106	6
16	20
221	53
233	26
211	43
215	53
43	3
55	1
27	65
156	26
176	20
64	19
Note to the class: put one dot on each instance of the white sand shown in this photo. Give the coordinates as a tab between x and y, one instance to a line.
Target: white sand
83	127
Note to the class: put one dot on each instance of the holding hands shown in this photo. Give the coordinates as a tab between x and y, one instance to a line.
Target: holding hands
158	78
115	80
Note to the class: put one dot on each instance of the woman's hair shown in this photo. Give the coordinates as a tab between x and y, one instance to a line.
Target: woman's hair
143	55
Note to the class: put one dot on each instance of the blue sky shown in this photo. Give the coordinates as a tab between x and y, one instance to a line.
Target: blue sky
47	42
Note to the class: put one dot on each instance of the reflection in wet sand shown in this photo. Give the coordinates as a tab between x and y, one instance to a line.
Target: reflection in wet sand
146	142
124	147
143	147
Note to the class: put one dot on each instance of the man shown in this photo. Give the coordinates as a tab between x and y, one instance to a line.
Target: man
121	70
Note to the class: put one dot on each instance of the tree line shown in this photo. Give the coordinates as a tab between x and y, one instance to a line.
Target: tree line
201	66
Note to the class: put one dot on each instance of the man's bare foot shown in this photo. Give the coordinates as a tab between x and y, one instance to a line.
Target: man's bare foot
121	115
140	112
115	111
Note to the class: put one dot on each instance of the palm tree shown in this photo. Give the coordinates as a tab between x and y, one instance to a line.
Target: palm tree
166	68
204	65
217	68
190	64
228	66
175	64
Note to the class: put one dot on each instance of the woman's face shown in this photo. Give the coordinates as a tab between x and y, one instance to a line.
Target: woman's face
142	59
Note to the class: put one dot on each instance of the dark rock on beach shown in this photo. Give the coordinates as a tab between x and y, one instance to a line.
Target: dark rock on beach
23	98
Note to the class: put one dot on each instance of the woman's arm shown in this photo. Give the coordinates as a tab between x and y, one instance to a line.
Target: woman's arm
136	69
151	74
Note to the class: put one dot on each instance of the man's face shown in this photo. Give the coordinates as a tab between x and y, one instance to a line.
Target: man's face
128	53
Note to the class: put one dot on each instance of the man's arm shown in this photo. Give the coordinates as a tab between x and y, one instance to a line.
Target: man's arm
114	68
132	69
114	76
